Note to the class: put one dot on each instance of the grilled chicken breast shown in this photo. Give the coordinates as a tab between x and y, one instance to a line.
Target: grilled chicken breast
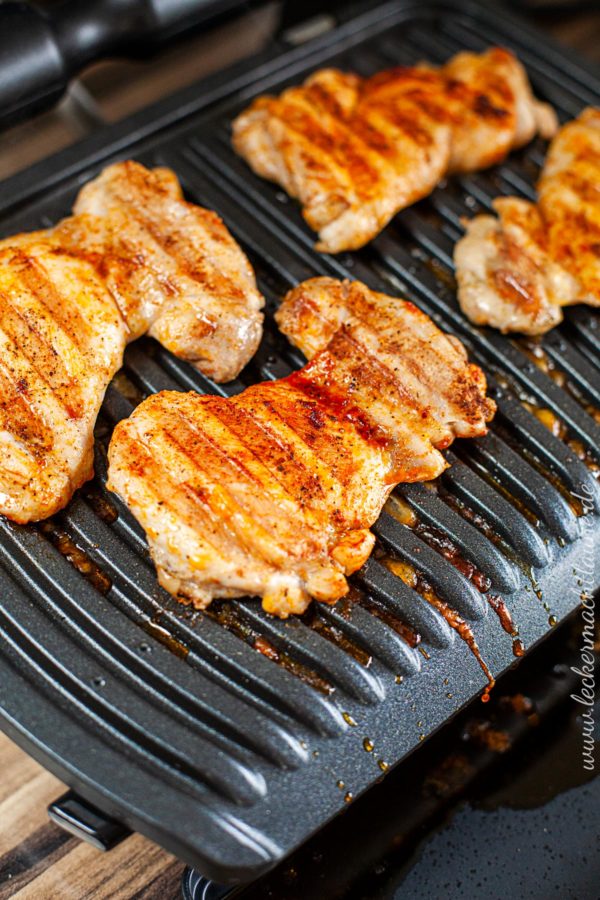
351	159
492	110
273	491
569	202
173	268
505	275
62	340
517	271
136	257
355	151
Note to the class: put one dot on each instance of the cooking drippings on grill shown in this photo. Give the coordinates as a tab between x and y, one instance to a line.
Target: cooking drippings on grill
592	411
418	582
440	272
479	522
441	542
584	455
554	424
534	350
402	569
498	486
464	631
406	632
345	606
537	589
518	647
127	388
536	353
78	558
448	549
161	634
558	428
101	505
263	646
500	608
549	420
331	633
292	665
397	507
226	614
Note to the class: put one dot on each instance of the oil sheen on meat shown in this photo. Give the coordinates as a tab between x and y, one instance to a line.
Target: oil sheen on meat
273	492
355	151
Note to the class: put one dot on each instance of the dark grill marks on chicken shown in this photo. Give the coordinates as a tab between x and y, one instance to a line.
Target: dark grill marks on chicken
355	151
273	491
135	258
61	341
516	272
172	267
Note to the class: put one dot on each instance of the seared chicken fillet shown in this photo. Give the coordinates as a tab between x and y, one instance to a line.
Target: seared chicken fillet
440	394
355	151
135	258
62	340
273	492
517	271
505	275
353	161
173	268
491	108
569	202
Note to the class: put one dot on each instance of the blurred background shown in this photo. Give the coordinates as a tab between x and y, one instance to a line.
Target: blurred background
112	89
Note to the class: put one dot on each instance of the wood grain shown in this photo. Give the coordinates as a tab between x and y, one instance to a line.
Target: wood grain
40	861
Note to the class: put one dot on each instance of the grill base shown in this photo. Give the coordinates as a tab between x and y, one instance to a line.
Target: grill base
524	747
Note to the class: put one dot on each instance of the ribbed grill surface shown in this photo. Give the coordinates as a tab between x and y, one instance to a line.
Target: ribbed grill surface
213	732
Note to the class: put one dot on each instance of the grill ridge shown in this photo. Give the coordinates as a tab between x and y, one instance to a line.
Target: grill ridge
233	779
86	628
402	600
447	581
139	593
507	521
472	544
381	641
204	706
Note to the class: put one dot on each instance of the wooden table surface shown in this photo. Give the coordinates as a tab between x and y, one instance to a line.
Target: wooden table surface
39	861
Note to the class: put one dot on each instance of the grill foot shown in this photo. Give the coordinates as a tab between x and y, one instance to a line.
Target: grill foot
195	886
